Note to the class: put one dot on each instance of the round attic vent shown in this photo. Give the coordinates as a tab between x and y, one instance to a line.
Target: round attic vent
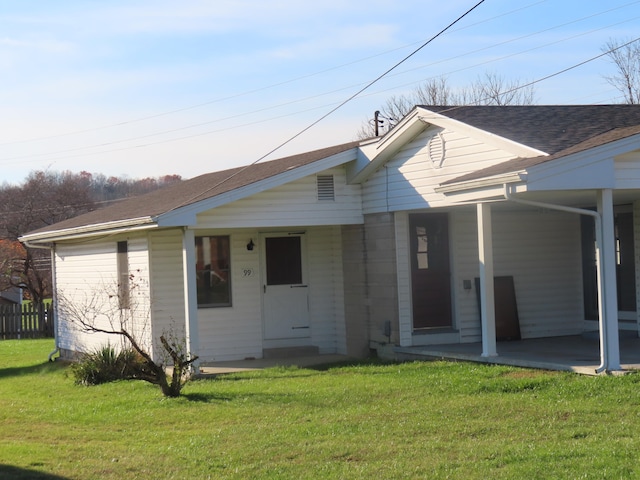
436	150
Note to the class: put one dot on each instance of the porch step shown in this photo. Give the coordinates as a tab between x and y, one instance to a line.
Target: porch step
287	352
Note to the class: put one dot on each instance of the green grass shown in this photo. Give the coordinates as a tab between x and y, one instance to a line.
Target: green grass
384	421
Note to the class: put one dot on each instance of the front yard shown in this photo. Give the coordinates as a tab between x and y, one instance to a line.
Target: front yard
388	421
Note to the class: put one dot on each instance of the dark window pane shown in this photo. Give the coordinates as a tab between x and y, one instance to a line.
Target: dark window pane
284	262
213	273
124	296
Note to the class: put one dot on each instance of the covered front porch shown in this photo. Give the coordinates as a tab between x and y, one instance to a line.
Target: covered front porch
575	353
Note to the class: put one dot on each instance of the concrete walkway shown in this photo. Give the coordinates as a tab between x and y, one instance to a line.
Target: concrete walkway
217	368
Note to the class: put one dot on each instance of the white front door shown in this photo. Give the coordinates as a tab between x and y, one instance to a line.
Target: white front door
285	292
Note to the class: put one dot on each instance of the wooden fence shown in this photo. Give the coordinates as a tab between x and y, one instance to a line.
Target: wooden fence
25	321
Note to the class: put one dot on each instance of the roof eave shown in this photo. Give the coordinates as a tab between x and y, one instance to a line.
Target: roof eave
128	225
480	183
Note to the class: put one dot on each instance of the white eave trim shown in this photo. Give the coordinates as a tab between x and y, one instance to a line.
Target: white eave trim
129	225
513	177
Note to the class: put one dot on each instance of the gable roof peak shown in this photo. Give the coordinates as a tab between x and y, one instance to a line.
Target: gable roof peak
548	128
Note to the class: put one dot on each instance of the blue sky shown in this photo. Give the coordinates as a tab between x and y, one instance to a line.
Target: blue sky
143	88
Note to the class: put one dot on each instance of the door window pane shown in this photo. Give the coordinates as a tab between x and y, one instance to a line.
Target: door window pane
422	248
284	260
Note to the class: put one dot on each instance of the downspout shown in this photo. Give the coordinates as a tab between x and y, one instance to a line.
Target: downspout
55	304
51	248
599	259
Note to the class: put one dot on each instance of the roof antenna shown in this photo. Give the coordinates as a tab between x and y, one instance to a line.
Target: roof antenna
378	120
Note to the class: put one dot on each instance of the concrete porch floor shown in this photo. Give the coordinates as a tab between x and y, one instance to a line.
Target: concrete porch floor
579	353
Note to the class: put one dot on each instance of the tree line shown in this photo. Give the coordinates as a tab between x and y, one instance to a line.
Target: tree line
45	198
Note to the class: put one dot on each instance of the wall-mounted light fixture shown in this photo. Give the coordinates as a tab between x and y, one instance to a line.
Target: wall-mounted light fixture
250	245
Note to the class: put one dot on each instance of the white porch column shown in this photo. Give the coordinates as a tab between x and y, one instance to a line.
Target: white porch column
487	299
190	293
608	296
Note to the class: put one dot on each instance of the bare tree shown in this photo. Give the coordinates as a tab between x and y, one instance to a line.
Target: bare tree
25	268
489	89
434	91
43	199
494	89
47	197
98	311
625	56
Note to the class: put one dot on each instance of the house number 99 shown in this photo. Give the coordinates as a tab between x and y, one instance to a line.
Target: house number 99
247	272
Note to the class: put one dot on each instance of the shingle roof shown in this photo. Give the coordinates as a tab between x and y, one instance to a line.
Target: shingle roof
558	130
194	190
549	128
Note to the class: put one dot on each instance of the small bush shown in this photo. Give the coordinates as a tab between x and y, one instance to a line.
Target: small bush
106	365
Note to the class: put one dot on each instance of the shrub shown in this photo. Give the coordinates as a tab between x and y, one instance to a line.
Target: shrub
106	365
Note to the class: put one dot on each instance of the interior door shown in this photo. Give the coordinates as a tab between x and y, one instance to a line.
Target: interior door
285	291
430	271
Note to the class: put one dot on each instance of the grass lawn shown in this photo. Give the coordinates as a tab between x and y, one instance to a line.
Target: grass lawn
426	420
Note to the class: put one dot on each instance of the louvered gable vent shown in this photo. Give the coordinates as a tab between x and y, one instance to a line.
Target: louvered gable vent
326	190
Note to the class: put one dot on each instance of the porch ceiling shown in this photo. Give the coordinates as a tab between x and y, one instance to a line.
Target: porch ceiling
569	198
579	353
579	198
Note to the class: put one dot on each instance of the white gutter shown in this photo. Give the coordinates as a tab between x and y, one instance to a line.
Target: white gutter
604	333
55	305
124	226
481	183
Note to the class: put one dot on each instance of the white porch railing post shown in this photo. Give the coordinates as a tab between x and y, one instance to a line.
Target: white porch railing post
487	301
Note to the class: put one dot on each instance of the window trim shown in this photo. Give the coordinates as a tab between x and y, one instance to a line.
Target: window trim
122	266
199	243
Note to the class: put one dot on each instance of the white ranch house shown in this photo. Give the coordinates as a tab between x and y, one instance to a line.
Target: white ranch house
463	225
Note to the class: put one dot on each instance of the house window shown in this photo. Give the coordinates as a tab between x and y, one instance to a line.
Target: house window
124	293
213	274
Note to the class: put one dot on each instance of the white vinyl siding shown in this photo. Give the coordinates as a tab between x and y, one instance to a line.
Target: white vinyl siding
291	205
167	294
88	273
408	180
235	333
541	250
627	170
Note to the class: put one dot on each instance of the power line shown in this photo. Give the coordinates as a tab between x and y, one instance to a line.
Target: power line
224	119
340	105
441	111
260	89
